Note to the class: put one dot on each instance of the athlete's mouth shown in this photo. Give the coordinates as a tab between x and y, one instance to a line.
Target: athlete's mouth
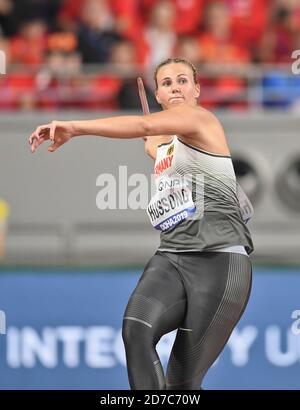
176	97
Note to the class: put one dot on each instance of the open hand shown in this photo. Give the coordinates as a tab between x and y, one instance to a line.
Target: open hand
59	132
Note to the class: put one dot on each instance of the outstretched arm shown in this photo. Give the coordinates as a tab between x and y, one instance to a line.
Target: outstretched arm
182	120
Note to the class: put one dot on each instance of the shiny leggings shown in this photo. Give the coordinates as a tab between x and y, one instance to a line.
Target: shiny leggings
202	295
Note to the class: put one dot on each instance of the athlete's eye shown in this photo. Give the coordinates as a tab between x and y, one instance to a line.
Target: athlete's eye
182	80
166	83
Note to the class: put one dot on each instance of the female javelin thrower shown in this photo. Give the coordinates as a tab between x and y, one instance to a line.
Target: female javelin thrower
199	280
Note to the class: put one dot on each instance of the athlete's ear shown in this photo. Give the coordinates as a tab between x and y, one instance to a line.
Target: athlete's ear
197	90
157	97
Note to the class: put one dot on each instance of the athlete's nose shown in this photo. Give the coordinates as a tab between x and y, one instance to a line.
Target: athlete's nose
175	90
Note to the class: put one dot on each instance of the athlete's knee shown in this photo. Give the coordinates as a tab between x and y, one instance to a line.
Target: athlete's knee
190	383
136	335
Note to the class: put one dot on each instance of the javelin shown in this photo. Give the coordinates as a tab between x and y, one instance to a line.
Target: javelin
143	97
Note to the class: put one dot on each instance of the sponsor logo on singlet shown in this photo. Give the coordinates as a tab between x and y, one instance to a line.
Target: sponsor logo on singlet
170	150
164	164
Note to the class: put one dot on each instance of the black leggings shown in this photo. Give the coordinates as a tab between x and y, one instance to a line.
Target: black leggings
203	295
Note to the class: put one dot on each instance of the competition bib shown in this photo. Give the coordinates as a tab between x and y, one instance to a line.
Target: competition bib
172	203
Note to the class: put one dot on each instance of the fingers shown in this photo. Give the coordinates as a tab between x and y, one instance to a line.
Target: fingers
31	138
37	138
40	131
36	144
34	136
54	146
53	126
41	134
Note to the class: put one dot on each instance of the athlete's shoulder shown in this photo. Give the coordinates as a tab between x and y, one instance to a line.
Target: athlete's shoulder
197	113
201	119
208	115
209	135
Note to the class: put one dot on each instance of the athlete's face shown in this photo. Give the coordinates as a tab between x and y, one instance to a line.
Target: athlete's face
175	85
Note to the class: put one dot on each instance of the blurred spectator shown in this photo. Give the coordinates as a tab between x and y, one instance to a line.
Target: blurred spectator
17	88
294	8
124	56
128	18
159	37
219	46
125	14
29	45
45	10
61	83
279	38
248	19
13	13
4	213
96	35
7	18
277	45
217	41
188	14
188	47
69	14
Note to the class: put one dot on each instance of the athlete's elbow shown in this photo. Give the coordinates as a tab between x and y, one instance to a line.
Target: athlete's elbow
150	128
147	127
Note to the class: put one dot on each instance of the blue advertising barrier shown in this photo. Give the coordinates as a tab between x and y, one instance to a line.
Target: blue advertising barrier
62	330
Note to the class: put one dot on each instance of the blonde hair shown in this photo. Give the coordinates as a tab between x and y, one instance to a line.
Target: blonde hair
175	61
